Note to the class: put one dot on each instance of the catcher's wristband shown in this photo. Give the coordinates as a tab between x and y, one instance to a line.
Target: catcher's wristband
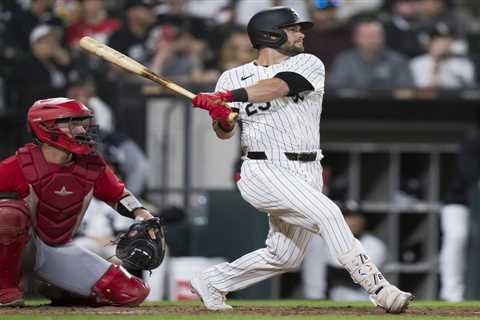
128	204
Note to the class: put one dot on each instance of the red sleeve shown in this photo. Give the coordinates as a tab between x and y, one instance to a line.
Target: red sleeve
12	179
108	187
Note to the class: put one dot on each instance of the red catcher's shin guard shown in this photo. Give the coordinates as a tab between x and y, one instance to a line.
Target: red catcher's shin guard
14	235
118	288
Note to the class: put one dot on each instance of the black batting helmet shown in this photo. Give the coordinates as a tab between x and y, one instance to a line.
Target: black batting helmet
264	28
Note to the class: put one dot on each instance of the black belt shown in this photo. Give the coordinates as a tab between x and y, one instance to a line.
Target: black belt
293	156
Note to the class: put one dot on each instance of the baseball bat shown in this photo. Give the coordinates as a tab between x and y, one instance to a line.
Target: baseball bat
119	59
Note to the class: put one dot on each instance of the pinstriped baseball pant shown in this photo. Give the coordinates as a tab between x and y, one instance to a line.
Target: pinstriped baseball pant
290	192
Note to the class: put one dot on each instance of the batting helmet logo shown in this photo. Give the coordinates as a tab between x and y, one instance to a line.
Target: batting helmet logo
265	27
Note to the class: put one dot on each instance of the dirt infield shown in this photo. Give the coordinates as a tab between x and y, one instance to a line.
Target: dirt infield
280	311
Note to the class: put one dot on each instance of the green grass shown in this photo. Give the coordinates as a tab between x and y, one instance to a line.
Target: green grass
428	306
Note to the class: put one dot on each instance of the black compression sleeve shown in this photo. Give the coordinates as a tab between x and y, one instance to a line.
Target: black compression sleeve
296	83
239	95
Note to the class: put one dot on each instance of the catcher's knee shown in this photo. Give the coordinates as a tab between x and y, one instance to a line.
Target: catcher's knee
118	288
14	221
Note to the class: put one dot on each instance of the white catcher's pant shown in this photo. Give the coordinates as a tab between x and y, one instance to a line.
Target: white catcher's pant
454	223
290	192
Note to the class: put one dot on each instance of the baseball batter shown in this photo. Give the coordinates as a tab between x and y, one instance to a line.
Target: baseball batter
279	101
45	189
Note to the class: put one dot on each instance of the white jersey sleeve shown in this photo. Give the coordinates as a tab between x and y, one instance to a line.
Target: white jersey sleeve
224	82
309	67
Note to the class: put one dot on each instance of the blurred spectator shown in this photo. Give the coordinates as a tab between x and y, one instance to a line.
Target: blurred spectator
132	37
94	22
440	68
7	53
67	10
44	72
121	152
23	22
348	9
322	274
402	29
455	216
329	35
100	226
245	9
435	13
8	9
196	34
82	88
218	11
178	55
370	65
236	50
126	157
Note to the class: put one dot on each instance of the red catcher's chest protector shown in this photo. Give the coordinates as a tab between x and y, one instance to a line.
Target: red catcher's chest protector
62	193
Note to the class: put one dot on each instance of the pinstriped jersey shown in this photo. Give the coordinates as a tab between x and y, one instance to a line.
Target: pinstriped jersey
286	123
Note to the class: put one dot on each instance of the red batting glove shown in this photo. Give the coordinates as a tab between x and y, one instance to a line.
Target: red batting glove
219	113
226	95
207	101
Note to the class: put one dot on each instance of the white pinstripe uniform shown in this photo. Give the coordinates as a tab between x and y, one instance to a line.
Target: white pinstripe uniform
289	191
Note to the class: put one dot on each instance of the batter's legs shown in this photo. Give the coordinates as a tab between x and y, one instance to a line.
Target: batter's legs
295	207
284	251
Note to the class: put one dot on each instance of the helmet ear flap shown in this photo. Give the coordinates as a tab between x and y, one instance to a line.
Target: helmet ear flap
271	38
46	128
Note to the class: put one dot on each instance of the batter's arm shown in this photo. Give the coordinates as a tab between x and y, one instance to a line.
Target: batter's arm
267	90
282	84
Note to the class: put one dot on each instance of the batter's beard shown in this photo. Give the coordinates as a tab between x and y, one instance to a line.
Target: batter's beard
290	50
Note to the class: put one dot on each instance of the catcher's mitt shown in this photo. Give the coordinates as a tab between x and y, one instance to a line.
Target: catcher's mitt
137	250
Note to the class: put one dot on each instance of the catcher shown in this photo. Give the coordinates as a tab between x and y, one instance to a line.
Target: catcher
45	189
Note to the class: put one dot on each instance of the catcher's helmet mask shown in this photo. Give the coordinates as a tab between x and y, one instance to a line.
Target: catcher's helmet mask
265	27
56	122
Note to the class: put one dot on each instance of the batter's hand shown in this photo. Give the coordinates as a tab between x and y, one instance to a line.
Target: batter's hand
207	101
220	113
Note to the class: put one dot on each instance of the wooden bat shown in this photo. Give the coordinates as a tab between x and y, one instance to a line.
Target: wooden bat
119	59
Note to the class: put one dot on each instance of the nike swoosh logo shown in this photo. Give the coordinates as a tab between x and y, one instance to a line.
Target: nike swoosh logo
246	77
